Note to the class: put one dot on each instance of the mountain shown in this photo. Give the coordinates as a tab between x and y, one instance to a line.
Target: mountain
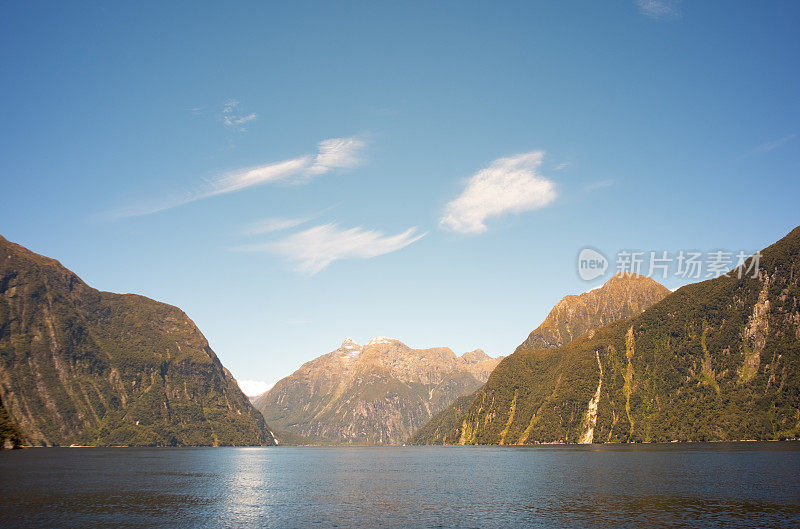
10	435
714	361
620	297
80	366
374	394
436	429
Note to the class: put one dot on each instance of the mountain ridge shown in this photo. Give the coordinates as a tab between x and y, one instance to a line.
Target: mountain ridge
577	314
717	360
377	393
83	366
572	316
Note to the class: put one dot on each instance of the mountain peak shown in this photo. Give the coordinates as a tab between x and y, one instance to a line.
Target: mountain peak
380	339
626	275
629	277
376	394
349	343
473	357
727	339
622	296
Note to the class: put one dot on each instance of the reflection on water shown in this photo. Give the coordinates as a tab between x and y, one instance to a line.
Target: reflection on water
726	485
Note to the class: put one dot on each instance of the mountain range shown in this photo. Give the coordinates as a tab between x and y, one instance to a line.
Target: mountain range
81	366
717	360
620	297
378	393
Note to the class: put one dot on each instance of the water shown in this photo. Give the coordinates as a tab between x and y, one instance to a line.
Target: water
726	485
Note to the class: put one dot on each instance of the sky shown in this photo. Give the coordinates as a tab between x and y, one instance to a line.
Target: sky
293	173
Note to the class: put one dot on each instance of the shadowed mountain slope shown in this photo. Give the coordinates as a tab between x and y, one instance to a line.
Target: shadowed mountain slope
80	366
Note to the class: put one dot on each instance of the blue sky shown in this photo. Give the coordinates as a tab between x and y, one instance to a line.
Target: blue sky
293	173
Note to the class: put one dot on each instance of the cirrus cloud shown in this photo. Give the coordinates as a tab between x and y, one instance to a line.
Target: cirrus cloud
334	153
272	225
508	185
232	119
313	249
660	9
774	144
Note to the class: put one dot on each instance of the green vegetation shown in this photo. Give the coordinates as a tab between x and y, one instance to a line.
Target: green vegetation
10	435
79	366
715	361
442	423
620	297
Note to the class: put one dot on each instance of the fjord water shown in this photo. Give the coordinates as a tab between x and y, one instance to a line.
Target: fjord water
714	485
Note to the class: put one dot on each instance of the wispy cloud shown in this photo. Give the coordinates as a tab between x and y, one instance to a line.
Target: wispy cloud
600	184
287	170
335	153
231	117
774	144
561	166
508	185
660	9
311	250
272	225
269	225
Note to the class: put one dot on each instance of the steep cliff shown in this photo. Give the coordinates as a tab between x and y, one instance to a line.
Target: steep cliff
375	394
10	434
80	366
714	361
620	297
440	425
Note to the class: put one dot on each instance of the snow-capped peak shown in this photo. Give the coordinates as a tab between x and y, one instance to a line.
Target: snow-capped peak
379	339
349	350
349	343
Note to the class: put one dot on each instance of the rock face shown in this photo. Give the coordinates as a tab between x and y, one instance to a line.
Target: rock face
620	297
80	366
440	425
373	394
714	361
10	436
